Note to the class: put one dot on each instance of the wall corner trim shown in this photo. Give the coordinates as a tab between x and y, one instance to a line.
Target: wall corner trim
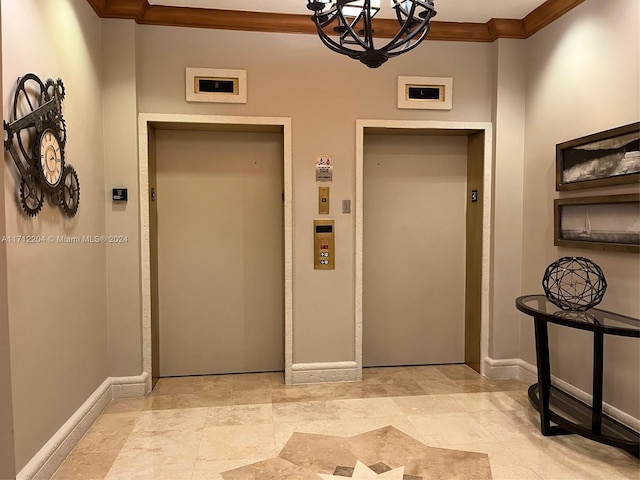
45	463
516	368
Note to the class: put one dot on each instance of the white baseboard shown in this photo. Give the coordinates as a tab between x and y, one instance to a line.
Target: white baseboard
325	372
45	463
519	369
515	368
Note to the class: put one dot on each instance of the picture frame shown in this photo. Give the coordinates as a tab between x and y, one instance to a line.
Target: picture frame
604	222
607	158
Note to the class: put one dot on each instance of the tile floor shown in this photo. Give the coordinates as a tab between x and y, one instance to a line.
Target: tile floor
197	428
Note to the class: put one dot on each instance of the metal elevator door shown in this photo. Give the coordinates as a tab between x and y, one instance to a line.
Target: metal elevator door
220	252
414	249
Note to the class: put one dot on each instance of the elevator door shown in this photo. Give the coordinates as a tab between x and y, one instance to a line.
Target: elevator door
220	252
414	249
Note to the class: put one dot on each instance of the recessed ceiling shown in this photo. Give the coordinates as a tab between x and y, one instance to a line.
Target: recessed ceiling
476	11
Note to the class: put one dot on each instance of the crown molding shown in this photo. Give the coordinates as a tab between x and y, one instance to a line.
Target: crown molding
145	14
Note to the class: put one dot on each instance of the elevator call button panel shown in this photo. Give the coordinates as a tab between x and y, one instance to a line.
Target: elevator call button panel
324	245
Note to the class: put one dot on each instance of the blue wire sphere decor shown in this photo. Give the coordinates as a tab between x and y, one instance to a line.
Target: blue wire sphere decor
574	283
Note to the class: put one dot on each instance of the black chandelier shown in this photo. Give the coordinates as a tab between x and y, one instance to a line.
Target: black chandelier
351	21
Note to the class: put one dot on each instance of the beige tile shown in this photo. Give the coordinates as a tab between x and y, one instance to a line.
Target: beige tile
292	393
563	457
520	396
396	375
427	372
283	431
367	407
158	448
443	430
388	445
189	400
85	466
211	470
360	390
506	424
504	465
251	396
151	469
217	383
183	420
428	405
439	387
240	415
253	381
459	372
178	385
477	402
304	411
407	388
271	469
357	426
237	442
124	405
318	453
306	393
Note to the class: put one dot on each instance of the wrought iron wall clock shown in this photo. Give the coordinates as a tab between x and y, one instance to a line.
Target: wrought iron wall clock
36	138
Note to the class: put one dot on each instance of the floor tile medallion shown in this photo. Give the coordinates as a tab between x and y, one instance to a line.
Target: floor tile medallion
382	454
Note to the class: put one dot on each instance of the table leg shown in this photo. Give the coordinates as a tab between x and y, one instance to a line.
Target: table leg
598	367
544	374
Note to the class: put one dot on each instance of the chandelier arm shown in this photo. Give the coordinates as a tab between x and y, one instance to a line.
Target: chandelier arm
350	26
398	41
337	47
407	48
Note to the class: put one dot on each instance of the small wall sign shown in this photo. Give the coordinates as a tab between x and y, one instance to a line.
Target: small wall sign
216	85
426	93
324	169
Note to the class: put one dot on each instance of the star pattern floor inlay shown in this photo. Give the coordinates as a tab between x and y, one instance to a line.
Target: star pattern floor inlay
385	453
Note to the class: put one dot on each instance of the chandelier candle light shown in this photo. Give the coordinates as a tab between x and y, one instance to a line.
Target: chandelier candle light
351	21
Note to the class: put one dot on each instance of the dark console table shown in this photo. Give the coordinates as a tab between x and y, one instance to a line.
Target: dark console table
569	414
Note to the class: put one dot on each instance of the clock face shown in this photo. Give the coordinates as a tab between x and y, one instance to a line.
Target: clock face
50	158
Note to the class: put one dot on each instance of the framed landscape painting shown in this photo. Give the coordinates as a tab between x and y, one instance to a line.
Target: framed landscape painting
607	158
607	222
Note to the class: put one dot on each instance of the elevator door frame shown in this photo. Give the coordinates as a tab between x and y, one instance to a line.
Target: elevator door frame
147	123
418	127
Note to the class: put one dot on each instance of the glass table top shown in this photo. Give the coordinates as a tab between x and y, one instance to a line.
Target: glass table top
592	319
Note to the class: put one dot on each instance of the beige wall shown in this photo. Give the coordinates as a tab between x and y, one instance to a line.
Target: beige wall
56	291
324	94
120	116
582	77
7	452
508	120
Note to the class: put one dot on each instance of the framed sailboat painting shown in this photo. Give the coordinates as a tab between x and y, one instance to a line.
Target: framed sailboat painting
607	158
605	222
